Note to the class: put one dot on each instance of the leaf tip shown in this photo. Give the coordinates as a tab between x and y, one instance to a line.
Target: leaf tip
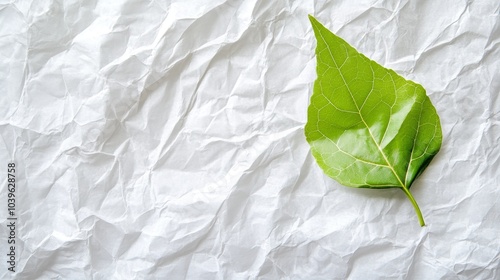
312	19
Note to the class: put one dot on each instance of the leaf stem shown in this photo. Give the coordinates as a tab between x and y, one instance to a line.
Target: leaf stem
415	205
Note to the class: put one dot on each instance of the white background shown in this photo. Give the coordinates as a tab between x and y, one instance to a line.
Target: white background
165	140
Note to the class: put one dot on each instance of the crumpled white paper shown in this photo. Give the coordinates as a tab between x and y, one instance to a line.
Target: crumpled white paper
164	140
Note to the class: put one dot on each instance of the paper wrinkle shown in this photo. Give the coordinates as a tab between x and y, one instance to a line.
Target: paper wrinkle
162	140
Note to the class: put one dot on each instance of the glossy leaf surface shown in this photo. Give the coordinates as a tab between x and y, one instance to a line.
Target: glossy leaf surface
367	126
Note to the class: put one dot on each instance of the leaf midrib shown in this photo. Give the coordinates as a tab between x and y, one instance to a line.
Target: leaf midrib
359	112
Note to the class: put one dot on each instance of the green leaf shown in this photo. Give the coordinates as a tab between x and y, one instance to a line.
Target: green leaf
367	126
